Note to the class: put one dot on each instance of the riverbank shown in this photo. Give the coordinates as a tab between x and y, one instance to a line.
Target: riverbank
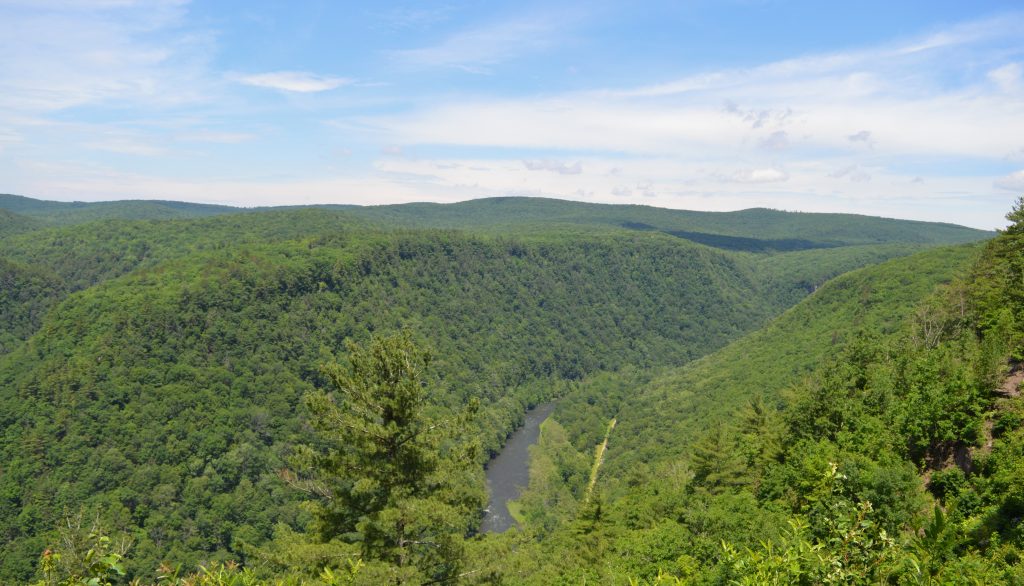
508	473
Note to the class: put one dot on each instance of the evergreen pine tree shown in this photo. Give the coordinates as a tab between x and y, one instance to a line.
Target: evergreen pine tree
387	474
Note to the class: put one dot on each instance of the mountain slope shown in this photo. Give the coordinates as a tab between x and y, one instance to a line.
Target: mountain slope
89	253
736	448
678	407
160	384
11	223
83	255
26	295
168	397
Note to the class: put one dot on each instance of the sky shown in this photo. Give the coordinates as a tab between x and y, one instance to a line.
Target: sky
900	109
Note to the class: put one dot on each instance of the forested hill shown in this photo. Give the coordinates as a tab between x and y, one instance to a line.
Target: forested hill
153	366
11	223
89	253
753	230
768	362
169	396
872	434
91	250
56	212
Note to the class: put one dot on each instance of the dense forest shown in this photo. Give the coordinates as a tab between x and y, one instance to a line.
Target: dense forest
201	394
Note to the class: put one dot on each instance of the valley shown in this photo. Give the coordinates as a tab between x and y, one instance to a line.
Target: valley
166	370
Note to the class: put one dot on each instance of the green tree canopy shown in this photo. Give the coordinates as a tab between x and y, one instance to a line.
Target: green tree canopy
388	477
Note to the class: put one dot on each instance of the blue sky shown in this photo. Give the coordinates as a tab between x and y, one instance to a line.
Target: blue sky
902	109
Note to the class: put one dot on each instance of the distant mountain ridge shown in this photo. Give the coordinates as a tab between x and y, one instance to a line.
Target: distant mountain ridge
751	230
57	212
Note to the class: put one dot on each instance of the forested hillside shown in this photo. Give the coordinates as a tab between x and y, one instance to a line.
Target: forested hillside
26	294
11	223
153	375
871	434
170	395
767	363
89	252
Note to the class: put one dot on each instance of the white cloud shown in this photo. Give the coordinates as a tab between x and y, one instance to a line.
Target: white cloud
776	141
554	166
1007	77
1012	182
56	55
958	123
791	134
852	172
406	17
759	118
292	81
798	136
862	136
755	176
126	145
90	5
215	137
881	57
478	50
900	91
8	137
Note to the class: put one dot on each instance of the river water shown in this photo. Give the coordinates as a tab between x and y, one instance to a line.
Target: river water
509	472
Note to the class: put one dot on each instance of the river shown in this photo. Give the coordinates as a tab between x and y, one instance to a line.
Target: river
509	472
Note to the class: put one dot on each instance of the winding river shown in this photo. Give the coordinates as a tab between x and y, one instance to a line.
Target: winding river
509	472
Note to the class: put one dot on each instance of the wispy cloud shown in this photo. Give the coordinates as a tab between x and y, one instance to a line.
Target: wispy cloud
213	136
415	17
759	118
478	50
1008	77
755	176
56	55
793	130
554	166
8	137
1012	182
888	56
862	136
126	146
852	172
776	141
875	128
292	81
824	103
